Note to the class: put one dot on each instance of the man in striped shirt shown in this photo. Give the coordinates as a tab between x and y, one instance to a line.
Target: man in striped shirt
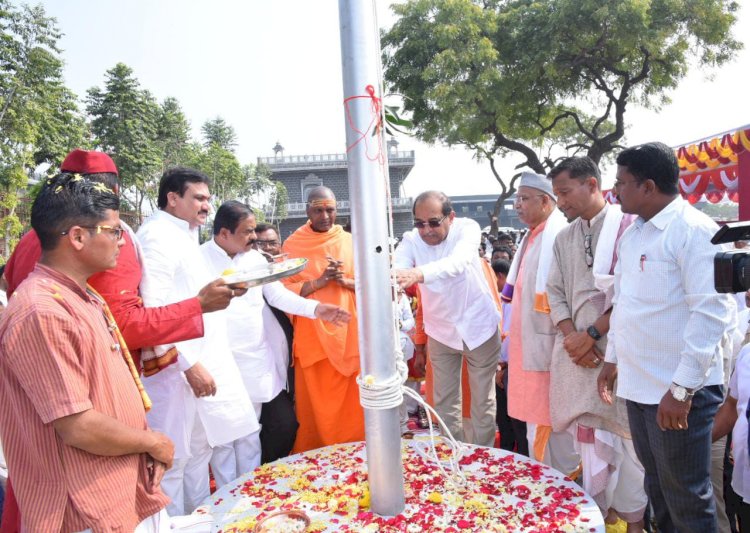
72	420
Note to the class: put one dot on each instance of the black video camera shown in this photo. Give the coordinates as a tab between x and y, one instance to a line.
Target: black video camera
732	269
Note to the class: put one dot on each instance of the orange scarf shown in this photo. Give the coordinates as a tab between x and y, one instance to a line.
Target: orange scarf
315	340
123	349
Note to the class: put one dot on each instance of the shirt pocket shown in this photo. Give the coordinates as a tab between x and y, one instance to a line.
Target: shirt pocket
657	281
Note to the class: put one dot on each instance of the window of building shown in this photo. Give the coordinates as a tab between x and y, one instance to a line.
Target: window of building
309	182
479	209
464	208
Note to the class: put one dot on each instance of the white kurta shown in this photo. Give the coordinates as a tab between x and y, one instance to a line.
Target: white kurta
458	306
174	269
256	339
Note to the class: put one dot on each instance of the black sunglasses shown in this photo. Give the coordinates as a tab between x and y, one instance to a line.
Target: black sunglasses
433	223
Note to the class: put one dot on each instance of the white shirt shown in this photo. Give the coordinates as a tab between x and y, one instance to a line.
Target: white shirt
174	269
739	389
257	341
458	306
407	321
668	323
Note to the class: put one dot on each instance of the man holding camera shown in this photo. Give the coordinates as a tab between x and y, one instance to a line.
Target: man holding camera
668	330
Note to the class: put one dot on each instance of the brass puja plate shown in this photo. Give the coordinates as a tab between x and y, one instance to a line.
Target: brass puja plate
265	273
283	522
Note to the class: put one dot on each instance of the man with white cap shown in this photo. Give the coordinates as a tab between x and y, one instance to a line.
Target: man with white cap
532	331
460	317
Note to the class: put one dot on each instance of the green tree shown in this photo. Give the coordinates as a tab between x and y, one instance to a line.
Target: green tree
173	133
537	79
125	125
267	197
217	131
222	167
39	118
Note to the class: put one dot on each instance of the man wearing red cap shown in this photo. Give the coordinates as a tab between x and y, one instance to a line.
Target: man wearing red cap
140	326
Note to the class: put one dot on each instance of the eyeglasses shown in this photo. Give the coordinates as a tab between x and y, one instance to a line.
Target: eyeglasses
265	244
523	199
433	223
113	231
587	250
619	184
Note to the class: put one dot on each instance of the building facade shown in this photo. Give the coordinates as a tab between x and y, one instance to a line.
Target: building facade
300	173
477	207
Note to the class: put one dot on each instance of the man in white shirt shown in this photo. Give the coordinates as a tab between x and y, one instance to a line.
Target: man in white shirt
733	416
667	332
200	401
257	341
460	316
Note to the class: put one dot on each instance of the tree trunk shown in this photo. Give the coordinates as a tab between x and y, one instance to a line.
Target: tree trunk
494	216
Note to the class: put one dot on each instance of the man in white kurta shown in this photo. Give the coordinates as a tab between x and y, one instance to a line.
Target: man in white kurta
460	316
256	339
200	401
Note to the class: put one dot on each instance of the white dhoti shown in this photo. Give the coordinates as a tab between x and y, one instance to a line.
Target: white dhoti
560	452
612	474
156	523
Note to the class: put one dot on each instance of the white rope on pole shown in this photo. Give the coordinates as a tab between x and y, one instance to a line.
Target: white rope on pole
389	393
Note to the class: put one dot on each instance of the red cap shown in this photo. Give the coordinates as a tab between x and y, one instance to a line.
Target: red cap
88	162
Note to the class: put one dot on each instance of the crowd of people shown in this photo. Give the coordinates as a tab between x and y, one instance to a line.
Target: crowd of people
132	374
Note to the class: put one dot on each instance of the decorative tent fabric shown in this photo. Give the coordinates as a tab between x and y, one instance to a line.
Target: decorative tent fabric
708	169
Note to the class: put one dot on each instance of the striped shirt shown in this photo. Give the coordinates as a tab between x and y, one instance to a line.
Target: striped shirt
58	358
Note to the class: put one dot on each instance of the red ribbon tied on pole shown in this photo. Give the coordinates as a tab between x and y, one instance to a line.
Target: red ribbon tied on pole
376	122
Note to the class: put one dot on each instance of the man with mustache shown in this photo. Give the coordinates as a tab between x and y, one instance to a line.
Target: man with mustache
140	326
669	330
72	416
461	319
532	330
199	398
580	286
255	337
267	239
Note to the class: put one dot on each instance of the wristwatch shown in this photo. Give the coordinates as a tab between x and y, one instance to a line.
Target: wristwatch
680	393
594	333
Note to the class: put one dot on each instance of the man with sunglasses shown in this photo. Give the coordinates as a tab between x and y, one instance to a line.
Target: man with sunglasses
579	288
461	319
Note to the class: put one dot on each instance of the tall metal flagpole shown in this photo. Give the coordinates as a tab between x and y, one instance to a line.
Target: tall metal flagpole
368	169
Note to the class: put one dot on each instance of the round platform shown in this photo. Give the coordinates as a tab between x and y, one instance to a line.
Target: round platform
503	492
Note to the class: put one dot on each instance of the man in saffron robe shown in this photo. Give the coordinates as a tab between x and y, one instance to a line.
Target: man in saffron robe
326	357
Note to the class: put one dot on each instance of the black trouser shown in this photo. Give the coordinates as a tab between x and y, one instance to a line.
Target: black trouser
512	431
744	516
279	427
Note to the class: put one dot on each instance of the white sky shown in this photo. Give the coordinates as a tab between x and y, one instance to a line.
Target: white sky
272	69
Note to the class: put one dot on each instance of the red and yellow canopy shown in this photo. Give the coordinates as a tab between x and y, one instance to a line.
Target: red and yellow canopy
710	167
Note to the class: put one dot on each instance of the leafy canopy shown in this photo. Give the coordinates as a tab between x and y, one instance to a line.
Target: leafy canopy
523	77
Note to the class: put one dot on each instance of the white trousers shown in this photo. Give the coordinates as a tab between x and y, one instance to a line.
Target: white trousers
624	490
187	483
156	523
246	451
223	464
560	452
